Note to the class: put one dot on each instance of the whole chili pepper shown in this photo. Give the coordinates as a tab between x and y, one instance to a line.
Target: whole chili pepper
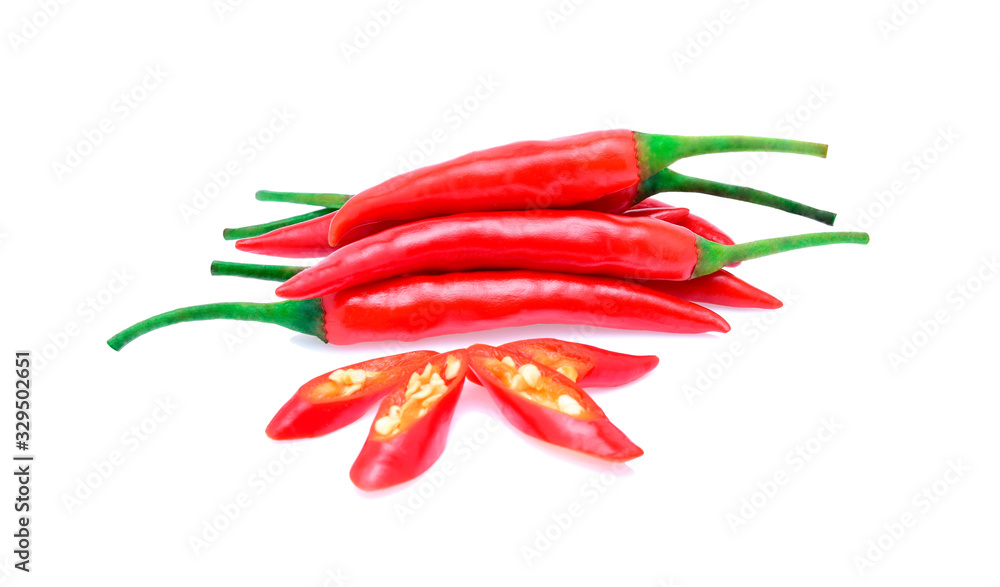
411	427
605	171
585	365
548	406
333	400
418	306
576	241
721	288
308	238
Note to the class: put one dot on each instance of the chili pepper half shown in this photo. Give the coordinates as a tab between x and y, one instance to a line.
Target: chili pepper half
543	240
418	306
335	399
585	365
411	427
548	406
596	171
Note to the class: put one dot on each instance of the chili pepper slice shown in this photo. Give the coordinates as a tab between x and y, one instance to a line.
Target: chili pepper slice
333	400
411	427
604	171
721	288
543	240
548	406
419	306
585	365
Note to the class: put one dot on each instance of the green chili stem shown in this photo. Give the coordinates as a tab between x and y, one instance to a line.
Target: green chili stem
266	272
305	316
669	180
314	199
231	234
657	152
713	256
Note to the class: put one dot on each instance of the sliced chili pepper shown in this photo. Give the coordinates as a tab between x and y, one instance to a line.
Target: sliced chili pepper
585	365
548	406
411	427
333	400
418	306
543	240
598	171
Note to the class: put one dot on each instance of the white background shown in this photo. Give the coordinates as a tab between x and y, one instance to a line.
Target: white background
881	96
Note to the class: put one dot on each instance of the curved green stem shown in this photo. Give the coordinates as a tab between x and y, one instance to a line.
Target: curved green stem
669	180
315	199
265	272
305	316
657	152
231	234
713	256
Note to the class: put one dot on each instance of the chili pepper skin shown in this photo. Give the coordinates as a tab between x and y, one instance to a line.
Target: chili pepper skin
720	288
322	405
307	238
588	431
543	240
258	229
599	171
303	240
419	435
585	365
419	306
667	213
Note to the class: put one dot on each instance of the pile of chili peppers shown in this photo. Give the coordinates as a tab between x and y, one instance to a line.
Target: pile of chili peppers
537	232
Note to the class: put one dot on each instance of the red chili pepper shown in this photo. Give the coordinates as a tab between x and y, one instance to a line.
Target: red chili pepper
418	306
696	224
598	170
546	405
308	238
543	240
721	288
585	365
411	427
335	399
